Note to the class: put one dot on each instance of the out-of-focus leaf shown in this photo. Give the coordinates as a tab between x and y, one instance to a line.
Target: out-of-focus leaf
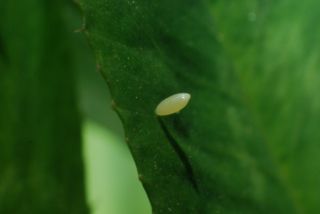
40	148
111	183
249	135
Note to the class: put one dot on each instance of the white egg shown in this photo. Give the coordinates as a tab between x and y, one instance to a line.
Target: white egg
172	104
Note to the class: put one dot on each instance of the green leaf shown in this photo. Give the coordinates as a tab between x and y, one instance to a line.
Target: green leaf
111	181
40	146
248	141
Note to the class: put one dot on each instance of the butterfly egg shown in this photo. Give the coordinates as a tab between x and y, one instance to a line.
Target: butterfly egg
172	104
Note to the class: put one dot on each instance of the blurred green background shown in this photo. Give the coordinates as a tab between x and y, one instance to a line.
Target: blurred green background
48	83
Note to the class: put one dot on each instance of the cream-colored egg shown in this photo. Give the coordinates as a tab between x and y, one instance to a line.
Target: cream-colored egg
172	104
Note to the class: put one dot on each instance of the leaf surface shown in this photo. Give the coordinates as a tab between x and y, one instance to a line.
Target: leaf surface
248	140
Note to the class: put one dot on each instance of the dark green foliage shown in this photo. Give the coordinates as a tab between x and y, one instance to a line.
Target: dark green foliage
250	130
40	147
